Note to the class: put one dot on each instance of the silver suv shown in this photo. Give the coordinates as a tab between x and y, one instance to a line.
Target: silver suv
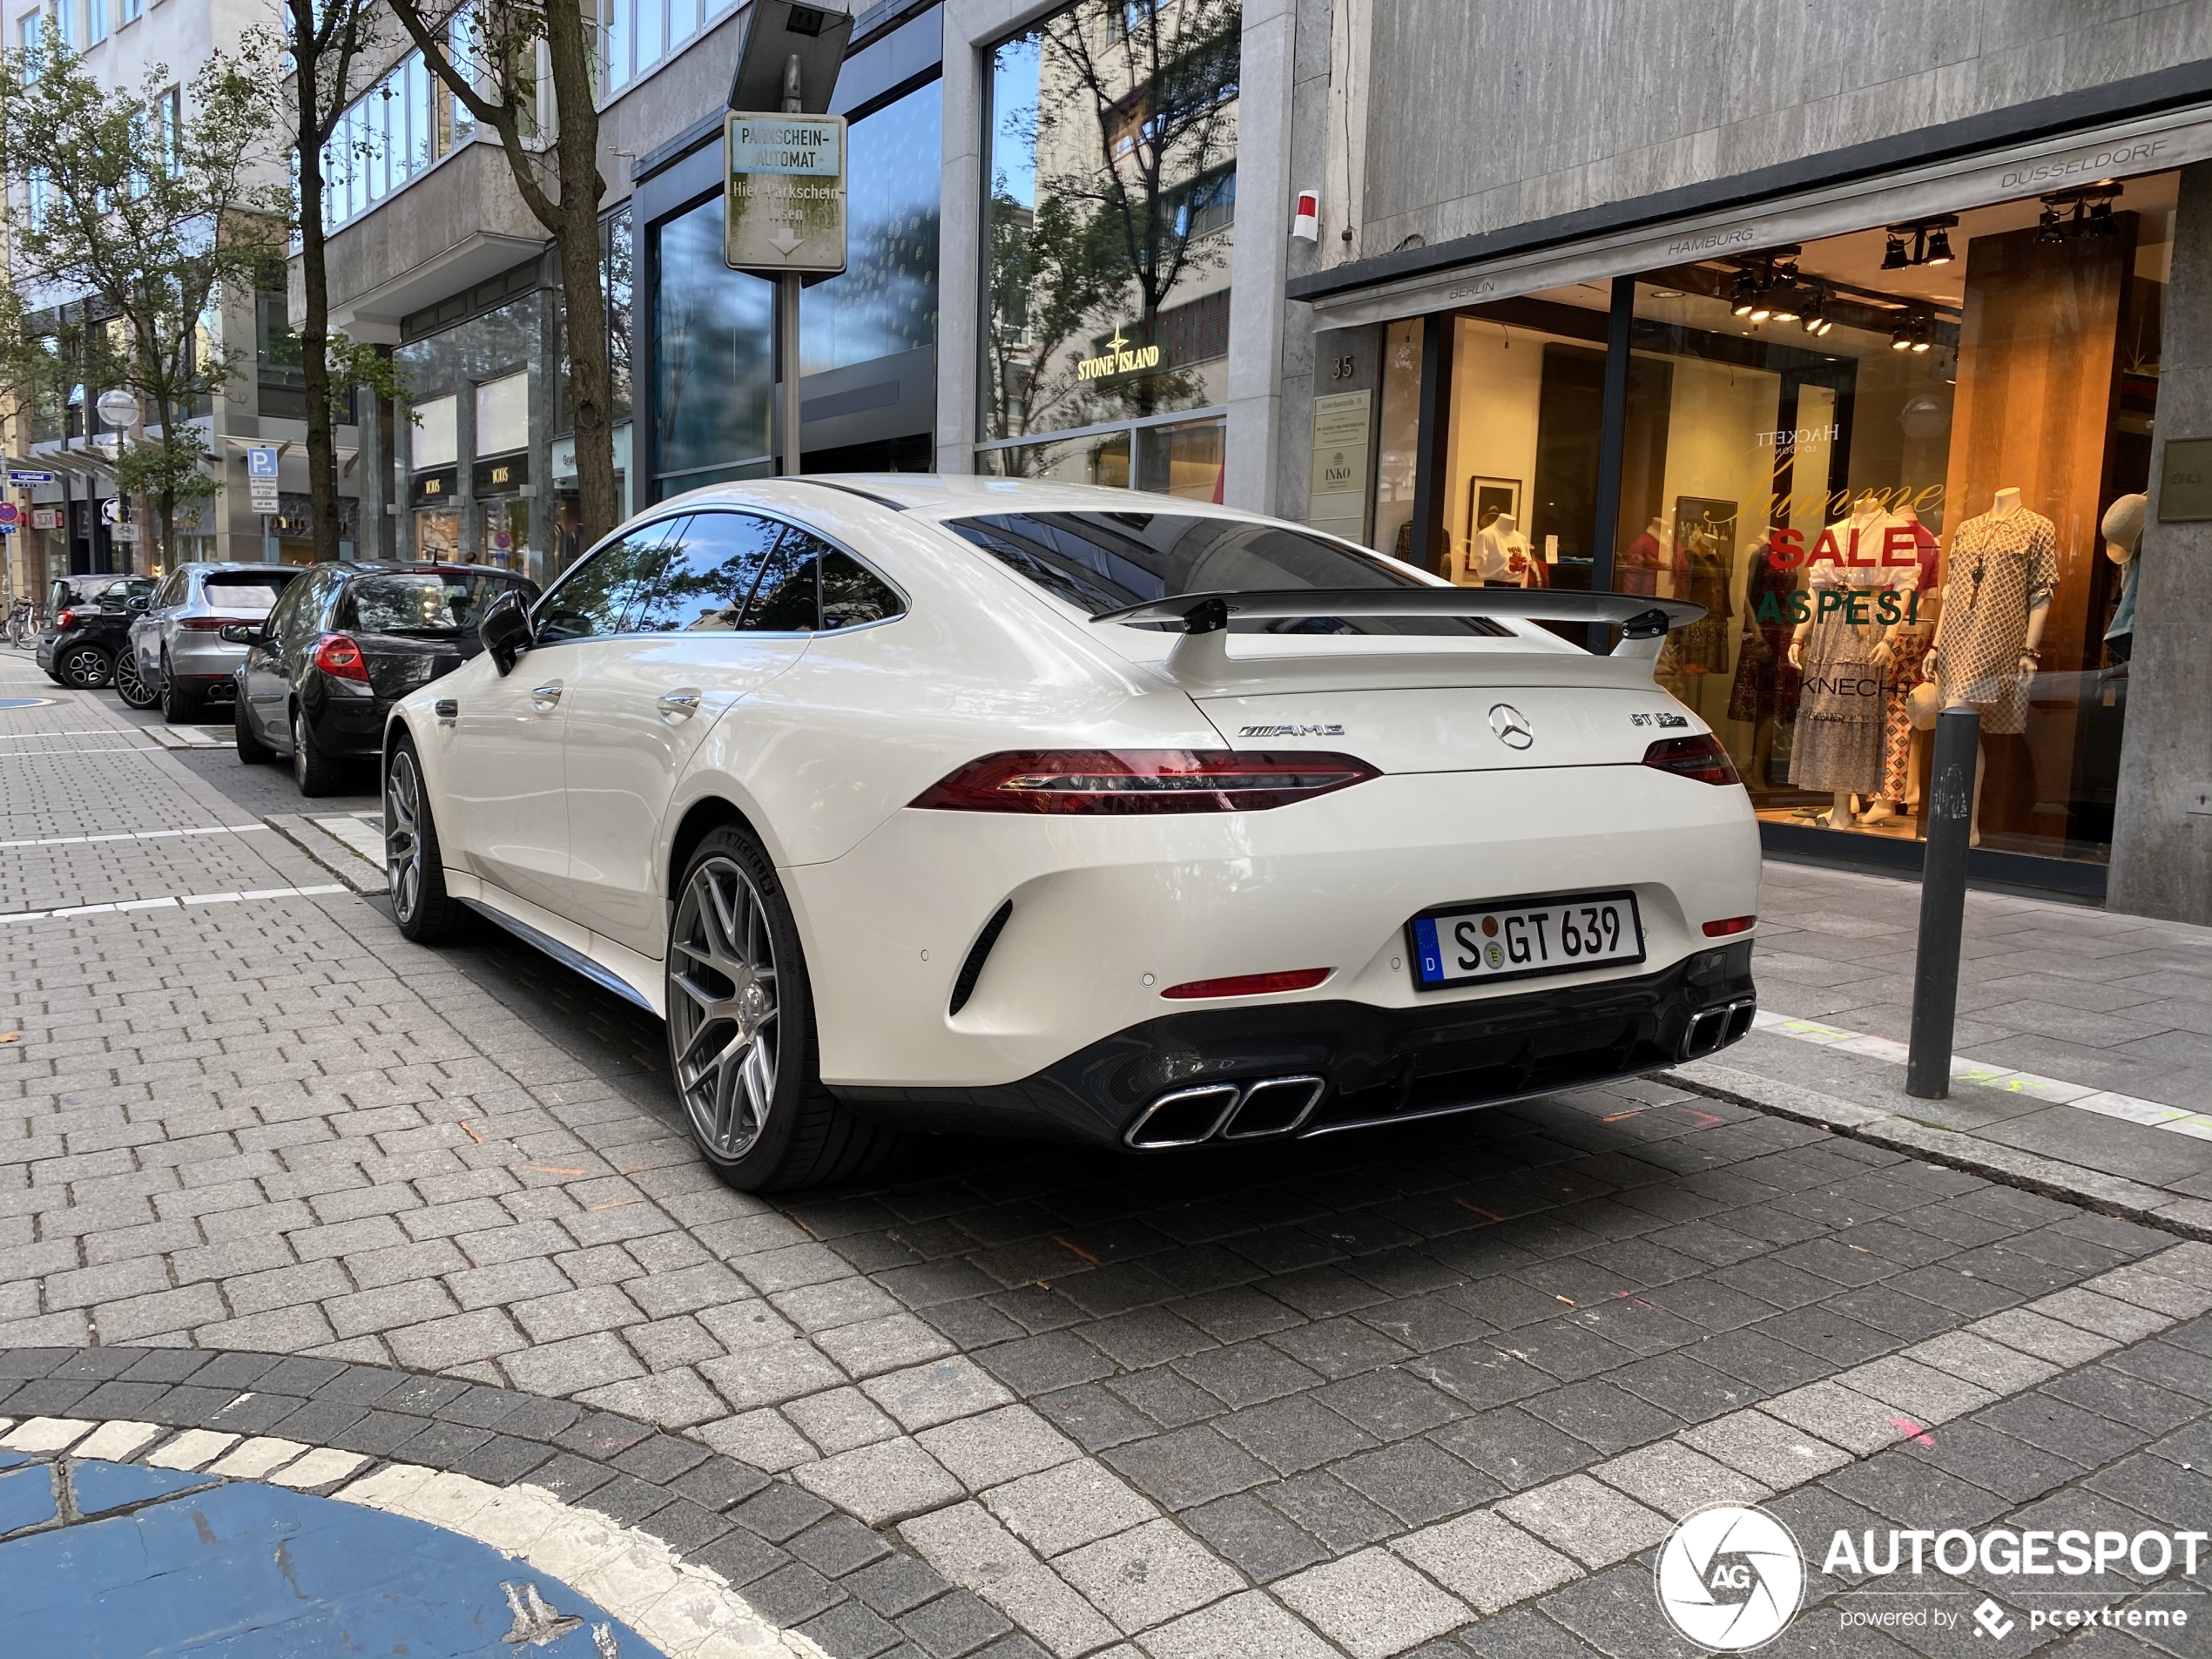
178	643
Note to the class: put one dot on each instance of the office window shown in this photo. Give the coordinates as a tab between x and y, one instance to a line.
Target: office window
65	29
30	28
133	10
95	21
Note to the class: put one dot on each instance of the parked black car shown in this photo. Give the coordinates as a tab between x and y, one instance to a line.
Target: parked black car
90	628
341	644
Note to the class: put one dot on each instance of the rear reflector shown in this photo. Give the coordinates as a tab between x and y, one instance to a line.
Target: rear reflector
1732	925
1297	979
1701	758
1141	780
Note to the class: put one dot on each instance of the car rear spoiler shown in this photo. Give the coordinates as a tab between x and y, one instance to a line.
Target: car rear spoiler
1202	652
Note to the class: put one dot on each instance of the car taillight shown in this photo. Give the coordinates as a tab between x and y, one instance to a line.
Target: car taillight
64	621
1297	978
341	659
1722	929
1701	758
1141	780
206	625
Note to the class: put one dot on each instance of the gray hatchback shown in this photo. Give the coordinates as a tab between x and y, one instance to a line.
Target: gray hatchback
178	643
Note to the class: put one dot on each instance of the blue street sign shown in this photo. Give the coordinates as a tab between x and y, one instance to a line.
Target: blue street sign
17	476
262	461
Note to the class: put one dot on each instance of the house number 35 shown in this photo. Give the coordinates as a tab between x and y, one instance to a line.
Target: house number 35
1346	367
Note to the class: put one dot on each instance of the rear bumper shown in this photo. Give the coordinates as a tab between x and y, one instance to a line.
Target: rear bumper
1248	1074
200	658
349	727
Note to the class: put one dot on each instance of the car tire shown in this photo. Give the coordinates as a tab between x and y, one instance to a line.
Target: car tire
414	869
251	750
315	773
737	989
180	703
84	668
129	685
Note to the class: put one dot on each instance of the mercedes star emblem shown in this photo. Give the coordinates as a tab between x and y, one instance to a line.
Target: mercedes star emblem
1511	725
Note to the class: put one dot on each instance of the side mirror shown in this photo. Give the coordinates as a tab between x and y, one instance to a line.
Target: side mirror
505	630
240	633
140	603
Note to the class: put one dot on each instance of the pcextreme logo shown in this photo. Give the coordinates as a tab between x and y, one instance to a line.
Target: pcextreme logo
1730	1577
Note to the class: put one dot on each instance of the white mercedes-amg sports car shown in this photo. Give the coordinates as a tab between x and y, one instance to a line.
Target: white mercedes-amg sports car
988	805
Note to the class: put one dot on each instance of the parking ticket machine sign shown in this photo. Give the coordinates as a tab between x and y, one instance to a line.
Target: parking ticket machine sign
785	193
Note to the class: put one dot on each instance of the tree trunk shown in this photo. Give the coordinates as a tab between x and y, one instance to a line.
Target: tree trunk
569	46
314	328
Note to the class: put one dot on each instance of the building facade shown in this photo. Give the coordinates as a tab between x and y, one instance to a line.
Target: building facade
70	525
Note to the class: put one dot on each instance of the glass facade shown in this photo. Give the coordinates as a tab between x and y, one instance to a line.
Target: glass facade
1902	469
395	131
713	357
1110	224
886	301
474	439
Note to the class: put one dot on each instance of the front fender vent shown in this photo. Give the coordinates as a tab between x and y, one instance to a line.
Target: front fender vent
978	953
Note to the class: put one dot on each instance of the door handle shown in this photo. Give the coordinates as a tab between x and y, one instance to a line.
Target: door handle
545	698
680	705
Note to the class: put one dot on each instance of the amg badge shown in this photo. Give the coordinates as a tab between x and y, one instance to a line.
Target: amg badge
1290	732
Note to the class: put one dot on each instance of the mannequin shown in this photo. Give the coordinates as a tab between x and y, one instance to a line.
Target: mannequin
2123	533
1988	644
1640	560
1908	647
1846	666
1501	554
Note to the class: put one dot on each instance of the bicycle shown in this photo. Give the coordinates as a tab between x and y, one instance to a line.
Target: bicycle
23	626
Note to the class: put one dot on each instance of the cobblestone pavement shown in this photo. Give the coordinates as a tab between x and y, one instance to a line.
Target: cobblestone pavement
1444	1385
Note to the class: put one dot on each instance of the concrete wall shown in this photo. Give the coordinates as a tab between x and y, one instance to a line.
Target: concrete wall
2162	852
1510	110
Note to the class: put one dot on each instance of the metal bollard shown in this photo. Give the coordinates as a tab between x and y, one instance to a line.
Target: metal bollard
1943	903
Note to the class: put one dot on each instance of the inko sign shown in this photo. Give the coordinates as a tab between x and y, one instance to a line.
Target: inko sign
785	193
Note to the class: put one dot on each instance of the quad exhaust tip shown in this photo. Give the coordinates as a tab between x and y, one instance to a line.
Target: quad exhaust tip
1712	1030
1258	1111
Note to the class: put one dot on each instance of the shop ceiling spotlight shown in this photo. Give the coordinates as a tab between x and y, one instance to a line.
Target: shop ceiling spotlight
1929	239
1816	320
1747	292
2084	212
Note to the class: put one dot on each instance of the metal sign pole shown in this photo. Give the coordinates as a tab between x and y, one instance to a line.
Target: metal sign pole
787	356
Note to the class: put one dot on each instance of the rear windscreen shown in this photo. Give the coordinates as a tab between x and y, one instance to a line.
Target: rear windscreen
425	602
1101	561
247	592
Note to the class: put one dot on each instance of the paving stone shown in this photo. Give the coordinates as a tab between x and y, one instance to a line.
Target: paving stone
1148	1576
1248	1625
1417	1481
1076	1503
881	1483
1256	1538
1371	1604
1594	1523
1487	1560
1192	1466
996	1447
1771	1452
1673	1479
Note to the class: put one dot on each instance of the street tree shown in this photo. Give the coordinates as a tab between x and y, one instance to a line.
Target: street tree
139	208
526	71
333	46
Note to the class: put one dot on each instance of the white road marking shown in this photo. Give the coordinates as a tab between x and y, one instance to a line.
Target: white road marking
173	902
74	731
112	749
135	836
2105	1102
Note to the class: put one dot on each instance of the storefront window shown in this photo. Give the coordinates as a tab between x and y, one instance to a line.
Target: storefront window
1895	467
712	359
471	436
1112	218
1519	500
886	301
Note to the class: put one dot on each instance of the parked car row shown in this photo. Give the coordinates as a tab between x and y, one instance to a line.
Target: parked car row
308	659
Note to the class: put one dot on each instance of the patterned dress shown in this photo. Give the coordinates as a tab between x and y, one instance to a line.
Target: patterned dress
2002	566
1837	748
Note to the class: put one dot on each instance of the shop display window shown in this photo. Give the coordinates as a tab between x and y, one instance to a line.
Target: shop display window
1110	219
1903	469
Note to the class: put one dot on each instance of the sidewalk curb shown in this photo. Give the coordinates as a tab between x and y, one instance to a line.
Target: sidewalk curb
325	849
2109	1195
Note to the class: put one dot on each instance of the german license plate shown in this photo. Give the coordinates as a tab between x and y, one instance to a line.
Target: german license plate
1521	938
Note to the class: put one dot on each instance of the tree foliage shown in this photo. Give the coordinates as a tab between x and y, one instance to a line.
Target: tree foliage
140	207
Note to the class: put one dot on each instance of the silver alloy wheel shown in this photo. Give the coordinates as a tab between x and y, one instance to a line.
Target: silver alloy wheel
403	835
723	1007
85	667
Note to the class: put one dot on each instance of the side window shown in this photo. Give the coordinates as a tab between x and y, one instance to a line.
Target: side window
707	572
853	594
788	598
292	618
171	591
594	598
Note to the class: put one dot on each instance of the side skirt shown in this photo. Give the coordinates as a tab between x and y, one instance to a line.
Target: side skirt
605	978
